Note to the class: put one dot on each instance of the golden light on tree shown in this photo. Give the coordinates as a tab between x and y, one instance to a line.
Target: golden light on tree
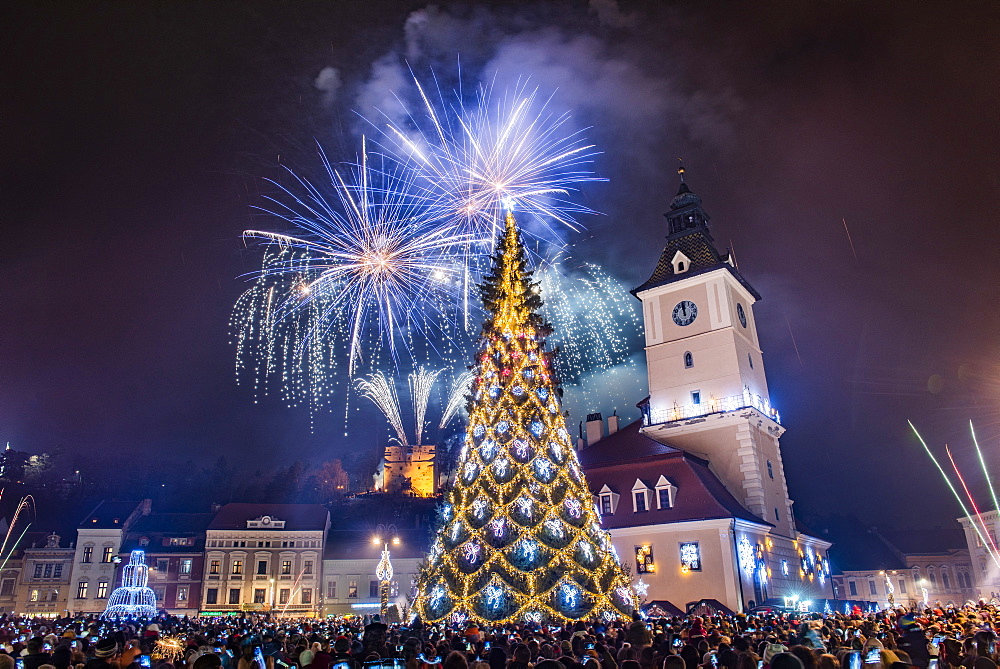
520	538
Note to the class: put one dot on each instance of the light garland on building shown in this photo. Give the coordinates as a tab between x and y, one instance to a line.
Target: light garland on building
519	544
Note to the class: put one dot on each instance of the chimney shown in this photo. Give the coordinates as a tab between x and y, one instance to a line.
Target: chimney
613	423
580	443
595	428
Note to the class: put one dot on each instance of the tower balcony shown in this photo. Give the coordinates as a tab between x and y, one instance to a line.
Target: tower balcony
714	405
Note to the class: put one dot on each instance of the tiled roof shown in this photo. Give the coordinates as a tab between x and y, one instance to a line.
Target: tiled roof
157	526
697	245
109	515
296	516
619	459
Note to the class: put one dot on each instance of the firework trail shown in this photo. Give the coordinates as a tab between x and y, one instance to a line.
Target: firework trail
26	505
456	398
979	532
383	394
982	464
421	384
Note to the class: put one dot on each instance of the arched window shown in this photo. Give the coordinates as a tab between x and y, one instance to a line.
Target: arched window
945	580
688	360
770	469
750	358
932	577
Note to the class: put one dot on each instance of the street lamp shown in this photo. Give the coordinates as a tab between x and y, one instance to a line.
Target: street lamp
272	594
383	571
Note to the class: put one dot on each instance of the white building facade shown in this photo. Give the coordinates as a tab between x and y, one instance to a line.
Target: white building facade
265	557
701	479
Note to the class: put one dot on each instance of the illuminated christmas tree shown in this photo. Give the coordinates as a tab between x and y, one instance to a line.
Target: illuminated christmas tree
519	537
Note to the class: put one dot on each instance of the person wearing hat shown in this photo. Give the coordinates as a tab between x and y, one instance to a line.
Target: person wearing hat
106	651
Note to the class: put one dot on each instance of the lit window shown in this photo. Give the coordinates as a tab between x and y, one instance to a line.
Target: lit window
307	567
185	567
286	567
34	596
784	567
88	554
688	360
102	589
182	593
307	596
237	567
352	590
214	566
644	560
81	590
690	556
108	554
258	595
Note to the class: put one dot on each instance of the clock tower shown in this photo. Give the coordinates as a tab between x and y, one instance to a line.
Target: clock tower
707	388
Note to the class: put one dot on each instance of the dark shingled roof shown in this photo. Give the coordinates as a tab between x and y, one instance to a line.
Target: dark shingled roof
109	515
157	526
621	458
296	516
688	224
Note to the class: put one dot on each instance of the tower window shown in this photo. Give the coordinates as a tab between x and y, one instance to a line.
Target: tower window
688	360
750	358
770	469
695	397
776	517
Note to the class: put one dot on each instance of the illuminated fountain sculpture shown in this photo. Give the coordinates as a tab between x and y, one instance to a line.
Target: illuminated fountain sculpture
134	598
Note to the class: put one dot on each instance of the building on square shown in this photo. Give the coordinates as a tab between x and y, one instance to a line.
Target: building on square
264	557
44	586
694	493
98	543
174	545
350	585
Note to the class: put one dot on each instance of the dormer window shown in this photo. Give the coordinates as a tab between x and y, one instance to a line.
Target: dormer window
641	495
666	493
608	500
681	263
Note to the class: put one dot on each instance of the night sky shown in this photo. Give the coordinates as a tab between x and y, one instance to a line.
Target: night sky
135	137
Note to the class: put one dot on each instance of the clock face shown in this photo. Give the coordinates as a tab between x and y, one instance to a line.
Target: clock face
741	314
685	312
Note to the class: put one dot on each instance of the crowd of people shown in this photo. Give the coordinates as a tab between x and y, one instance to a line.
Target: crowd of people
894	639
